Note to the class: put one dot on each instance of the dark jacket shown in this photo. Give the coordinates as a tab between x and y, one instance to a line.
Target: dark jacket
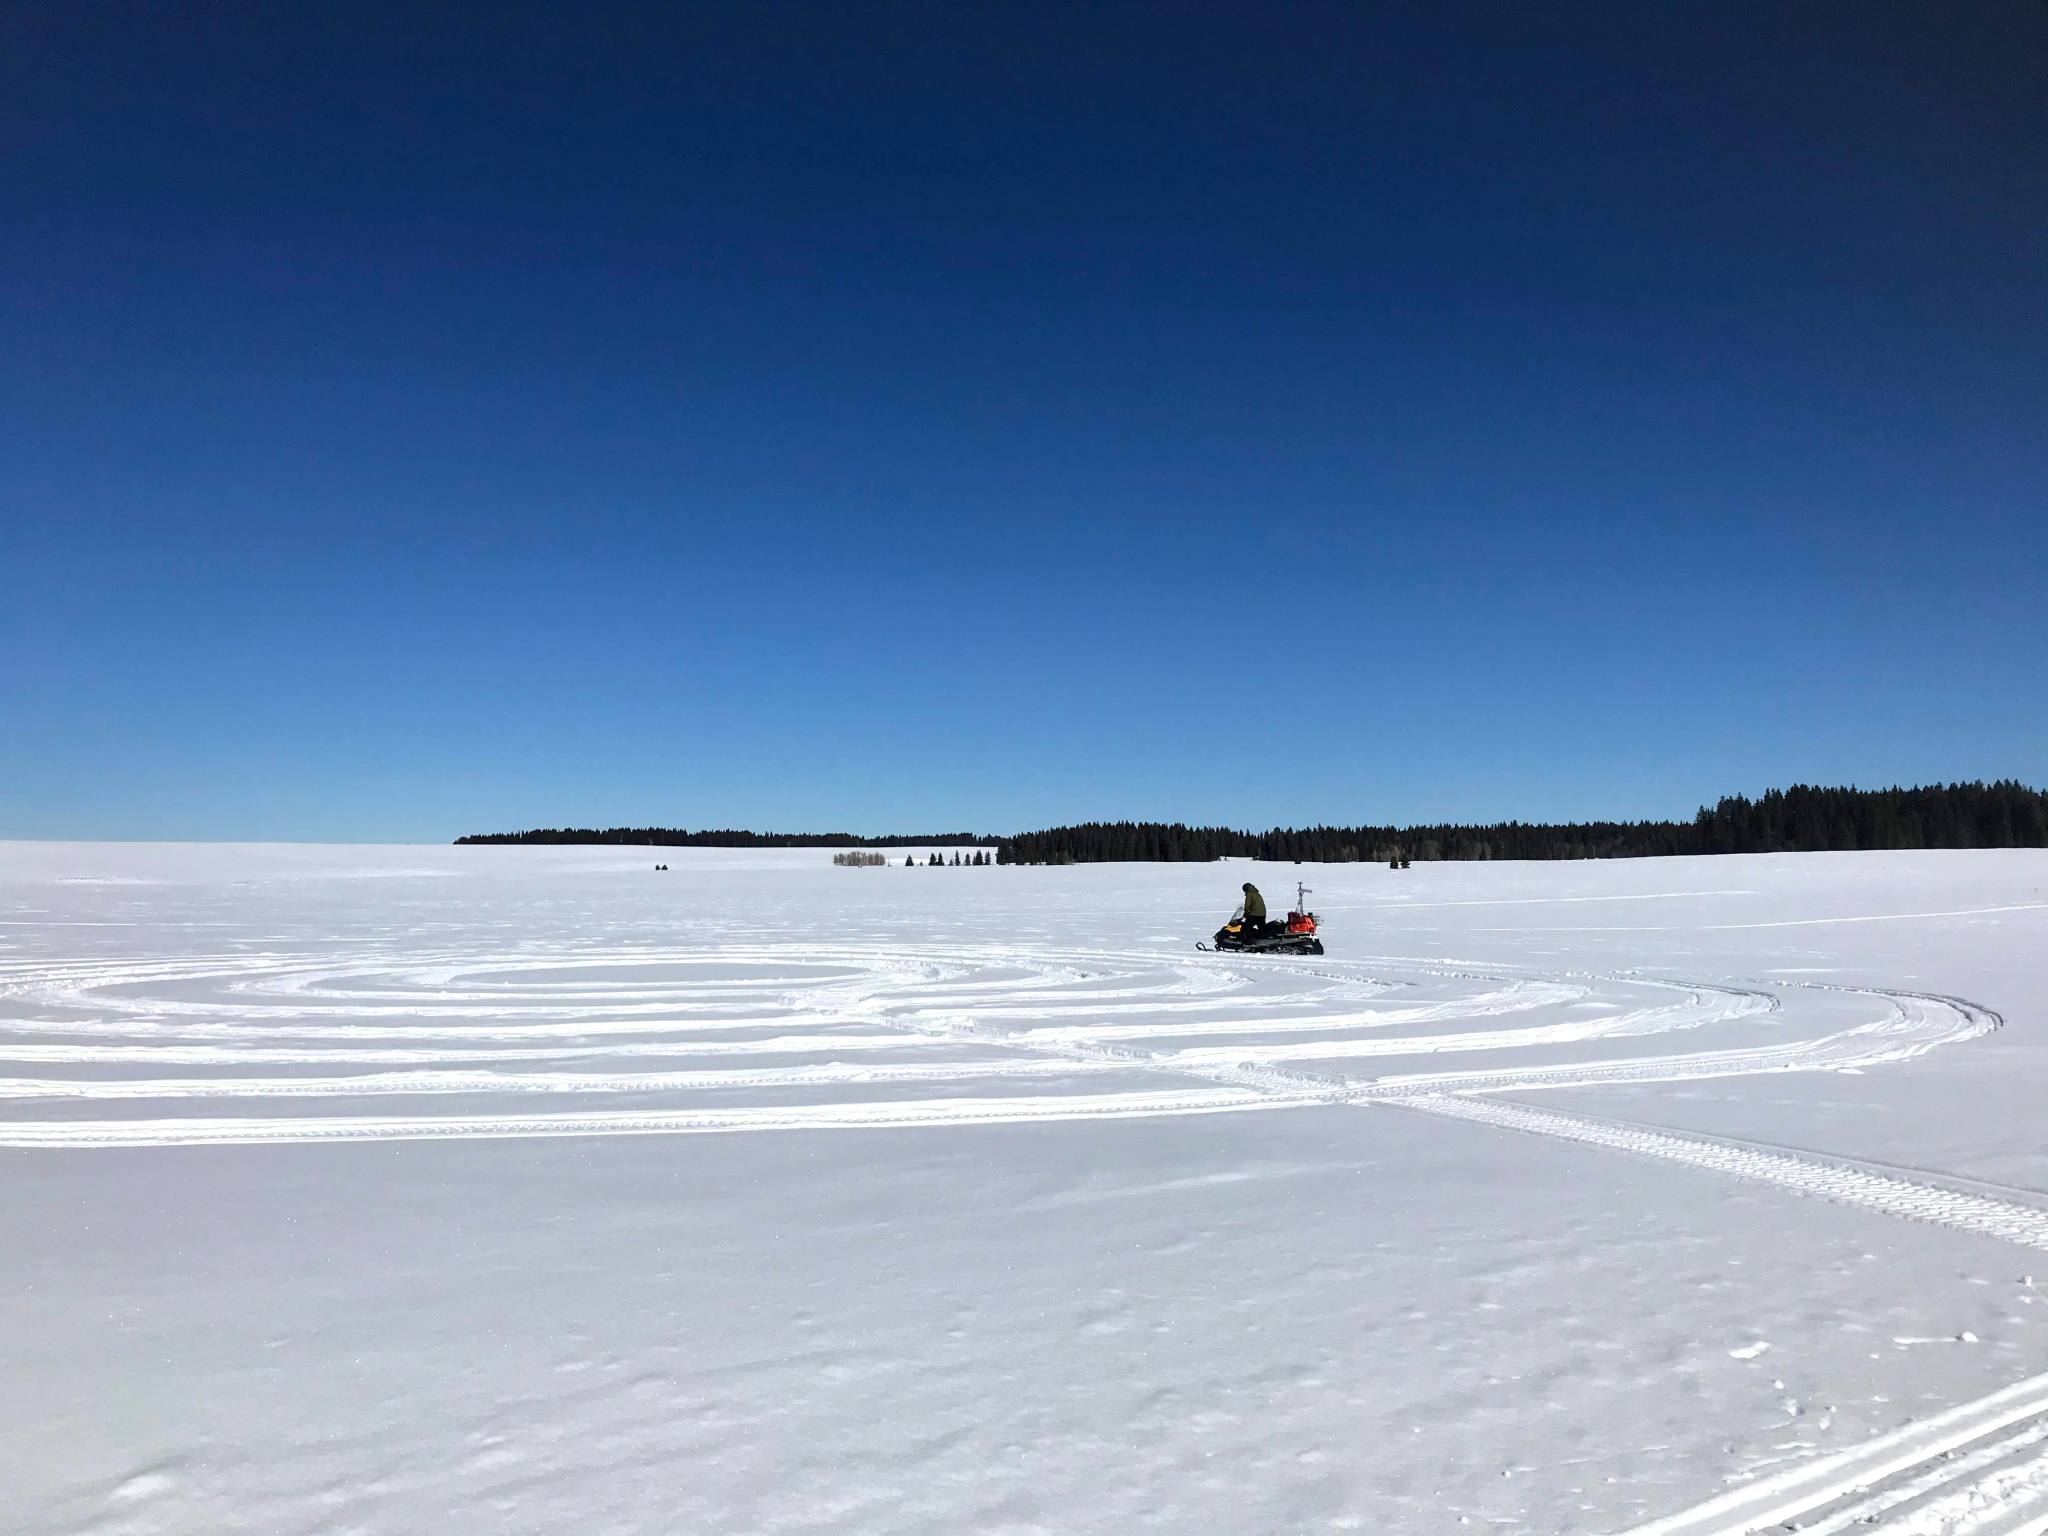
1254	906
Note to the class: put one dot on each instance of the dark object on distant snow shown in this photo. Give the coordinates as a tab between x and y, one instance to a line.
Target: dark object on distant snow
1405	863
1244	934
677	837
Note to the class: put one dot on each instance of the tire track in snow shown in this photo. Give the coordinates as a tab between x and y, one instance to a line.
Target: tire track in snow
128	1053
1518	996
888	1115
867	999
1914	1024
1693	1013
1979	1469
1050	1015
447	1082
994	1003
1838	1183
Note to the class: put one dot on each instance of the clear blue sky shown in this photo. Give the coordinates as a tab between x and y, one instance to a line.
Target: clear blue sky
432	420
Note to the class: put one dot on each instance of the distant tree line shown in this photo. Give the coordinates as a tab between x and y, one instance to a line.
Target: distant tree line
976	859
1802	819
676	837
2006	814
857	859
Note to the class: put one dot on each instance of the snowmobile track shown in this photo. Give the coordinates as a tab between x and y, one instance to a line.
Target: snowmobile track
1220	1033
1980	1469
1838	1183
521	1024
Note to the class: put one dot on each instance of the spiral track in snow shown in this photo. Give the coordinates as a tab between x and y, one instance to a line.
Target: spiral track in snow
380	1044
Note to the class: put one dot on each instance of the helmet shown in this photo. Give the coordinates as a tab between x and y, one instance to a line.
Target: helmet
1247	885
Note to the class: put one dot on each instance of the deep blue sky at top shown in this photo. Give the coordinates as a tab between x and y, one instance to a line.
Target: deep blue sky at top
435	419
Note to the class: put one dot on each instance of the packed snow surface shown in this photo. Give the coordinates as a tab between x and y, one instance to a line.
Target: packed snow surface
387	1190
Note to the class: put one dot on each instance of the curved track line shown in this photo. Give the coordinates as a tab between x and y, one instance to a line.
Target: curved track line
233	1055
1519	996
1689	1014
828	1001
891	1115
1916	1024
375	1084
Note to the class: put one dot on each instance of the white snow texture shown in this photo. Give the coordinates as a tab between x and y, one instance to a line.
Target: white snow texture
507	1190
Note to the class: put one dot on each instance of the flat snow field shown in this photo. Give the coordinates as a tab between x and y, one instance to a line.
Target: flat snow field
404	1190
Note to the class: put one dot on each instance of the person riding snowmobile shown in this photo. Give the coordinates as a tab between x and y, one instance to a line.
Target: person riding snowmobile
1249	931
1254	911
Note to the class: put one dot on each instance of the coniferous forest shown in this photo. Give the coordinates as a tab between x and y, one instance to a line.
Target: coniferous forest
1802	819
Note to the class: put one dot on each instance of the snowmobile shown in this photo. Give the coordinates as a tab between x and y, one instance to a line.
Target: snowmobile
1296	936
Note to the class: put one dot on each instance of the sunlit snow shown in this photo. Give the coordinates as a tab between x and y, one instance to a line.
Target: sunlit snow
534	1189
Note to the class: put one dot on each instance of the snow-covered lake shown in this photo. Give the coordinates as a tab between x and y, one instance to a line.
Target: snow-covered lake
391	1190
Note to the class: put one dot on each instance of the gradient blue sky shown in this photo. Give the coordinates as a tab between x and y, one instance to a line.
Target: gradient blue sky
421	421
